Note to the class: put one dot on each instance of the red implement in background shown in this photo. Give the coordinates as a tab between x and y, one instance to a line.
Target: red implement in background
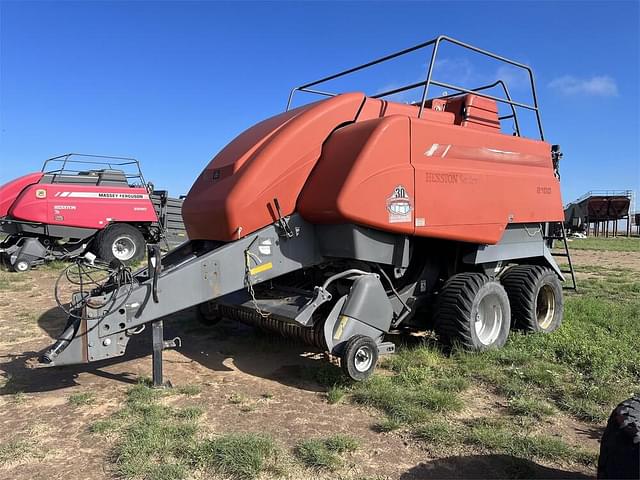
81	202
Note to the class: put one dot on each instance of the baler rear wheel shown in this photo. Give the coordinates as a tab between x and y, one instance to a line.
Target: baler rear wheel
535	294
473	311
120	241
359	357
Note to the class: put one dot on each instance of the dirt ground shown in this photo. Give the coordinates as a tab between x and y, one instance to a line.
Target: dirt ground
228	361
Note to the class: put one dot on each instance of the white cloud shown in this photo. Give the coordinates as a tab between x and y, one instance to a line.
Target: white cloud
602	85
514	77
457	71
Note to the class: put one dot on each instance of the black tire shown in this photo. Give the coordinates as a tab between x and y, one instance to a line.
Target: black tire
209	313
105	242
352	360
465	299
535	294
620	444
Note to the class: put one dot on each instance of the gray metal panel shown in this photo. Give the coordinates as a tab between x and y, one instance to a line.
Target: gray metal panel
368	302
361	243
518	241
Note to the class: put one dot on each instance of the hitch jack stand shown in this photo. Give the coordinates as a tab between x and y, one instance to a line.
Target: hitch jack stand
160	344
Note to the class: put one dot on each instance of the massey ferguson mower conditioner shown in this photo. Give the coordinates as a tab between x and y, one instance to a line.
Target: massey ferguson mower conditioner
346	219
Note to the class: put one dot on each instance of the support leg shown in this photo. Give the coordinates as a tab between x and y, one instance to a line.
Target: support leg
158	346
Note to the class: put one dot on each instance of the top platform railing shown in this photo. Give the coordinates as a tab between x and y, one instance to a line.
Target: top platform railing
81	163
435	43
603	193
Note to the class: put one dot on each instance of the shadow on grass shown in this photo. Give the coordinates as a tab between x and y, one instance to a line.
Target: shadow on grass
486	467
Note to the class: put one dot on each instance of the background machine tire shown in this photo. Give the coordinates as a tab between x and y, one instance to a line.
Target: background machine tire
620	444
535	294
209	313
472	310
120	241
359	357
21	265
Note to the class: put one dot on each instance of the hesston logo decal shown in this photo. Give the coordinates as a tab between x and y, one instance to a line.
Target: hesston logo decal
451	178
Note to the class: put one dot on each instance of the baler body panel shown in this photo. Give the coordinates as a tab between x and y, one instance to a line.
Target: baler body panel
364	176
82	206
471	182
10	190
431	177
234	195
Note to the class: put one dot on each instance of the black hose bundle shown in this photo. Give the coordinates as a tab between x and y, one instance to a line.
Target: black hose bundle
94	279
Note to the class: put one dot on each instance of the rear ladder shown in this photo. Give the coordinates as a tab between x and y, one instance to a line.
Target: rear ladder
563	236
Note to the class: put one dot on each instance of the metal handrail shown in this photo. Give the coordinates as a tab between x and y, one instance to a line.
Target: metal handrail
429	80
66	159
511	103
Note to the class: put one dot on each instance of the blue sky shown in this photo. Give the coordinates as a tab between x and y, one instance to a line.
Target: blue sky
172	82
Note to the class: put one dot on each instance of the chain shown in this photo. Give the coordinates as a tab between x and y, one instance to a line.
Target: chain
247	270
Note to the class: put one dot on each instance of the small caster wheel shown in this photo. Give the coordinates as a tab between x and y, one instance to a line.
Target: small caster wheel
21	265
359	357
209	313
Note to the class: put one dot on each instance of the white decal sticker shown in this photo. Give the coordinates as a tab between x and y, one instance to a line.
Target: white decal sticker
399	206
420	222
265	247
107	195
503	152
65	207
431	150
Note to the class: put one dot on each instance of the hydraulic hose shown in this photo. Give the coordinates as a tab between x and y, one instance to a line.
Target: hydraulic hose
63	340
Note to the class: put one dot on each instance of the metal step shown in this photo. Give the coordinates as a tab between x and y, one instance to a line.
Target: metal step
567	255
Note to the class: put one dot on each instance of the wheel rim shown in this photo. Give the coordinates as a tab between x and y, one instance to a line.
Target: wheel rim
489	318
22	266
363	359
545	306
123	248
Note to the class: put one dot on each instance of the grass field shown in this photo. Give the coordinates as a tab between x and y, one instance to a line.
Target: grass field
617	244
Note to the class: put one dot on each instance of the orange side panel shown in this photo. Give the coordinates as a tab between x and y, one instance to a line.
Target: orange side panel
364	176
470	184
234	195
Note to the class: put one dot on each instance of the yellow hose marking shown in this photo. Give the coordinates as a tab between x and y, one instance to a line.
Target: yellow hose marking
261	268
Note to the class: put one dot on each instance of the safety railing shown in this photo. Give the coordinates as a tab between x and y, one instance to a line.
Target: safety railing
435	43
80	163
